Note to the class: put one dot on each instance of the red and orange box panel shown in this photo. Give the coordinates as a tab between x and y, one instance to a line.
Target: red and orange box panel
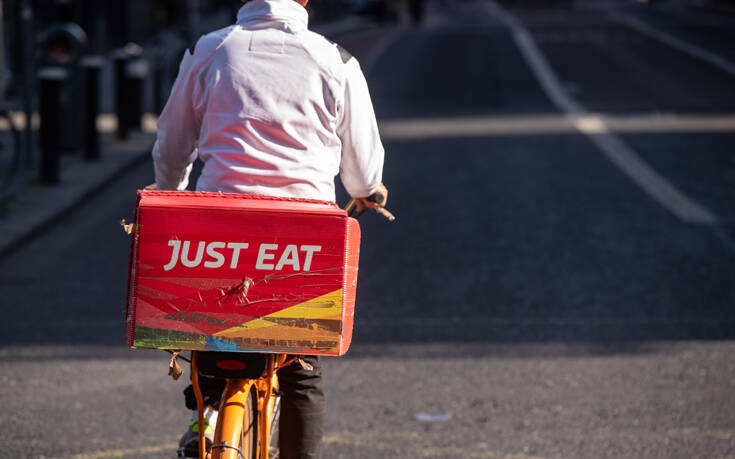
233	272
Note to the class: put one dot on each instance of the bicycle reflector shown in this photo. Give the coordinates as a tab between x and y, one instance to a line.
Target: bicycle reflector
232	365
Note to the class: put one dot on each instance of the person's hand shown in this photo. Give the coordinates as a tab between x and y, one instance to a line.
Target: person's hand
152	186
375	201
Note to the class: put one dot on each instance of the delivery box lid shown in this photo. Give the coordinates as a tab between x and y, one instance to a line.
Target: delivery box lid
234	201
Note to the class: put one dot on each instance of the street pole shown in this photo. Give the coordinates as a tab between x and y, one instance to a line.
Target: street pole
93	67
51	84
2	53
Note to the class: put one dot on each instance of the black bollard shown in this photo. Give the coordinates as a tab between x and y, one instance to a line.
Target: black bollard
51	82
121	58
136	74
125	101
92	67
158	61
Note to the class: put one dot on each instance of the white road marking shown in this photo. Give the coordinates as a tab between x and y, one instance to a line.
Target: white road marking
543	72
687	209
676	43
544	124
627	160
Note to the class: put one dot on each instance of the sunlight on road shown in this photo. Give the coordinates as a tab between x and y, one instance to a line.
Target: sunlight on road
544	124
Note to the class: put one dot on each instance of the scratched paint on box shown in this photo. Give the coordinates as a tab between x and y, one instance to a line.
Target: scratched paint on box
152	338
213	271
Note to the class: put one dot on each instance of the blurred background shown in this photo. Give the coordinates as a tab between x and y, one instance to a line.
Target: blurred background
559	282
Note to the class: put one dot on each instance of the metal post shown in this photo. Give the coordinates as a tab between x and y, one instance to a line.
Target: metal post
29	84
124	102
51	82
136	74
158	60
92	66
121	58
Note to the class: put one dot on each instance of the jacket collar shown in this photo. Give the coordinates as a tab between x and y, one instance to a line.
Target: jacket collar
264	12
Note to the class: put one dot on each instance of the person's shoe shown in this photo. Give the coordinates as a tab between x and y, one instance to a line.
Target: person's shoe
189	443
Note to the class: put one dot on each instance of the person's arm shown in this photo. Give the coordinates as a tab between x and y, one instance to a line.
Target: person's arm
361	167
178	131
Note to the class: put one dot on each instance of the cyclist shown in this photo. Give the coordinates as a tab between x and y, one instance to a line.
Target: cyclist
271	108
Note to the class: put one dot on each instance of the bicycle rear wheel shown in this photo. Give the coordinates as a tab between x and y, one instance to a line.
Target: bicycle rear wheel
236	436
274	451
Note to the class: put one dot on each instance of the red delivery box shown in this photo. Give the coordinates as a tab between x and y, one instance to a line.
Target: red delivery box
234	272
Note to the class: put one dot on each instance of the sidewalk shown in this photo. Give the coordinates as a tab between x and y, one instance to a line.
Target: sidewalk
38	207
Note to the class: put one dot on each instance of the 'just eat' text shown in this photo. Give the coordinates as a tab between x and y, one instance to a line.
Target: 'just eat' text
271	257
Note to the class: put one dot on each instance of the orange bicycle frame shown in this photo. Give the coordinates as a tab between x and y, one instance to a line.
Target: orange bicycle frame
233	409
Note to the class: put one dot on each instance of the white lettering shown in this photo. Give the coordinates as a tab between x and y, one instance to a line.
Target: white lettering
236	247
216	259
185	255
310	251
263	256
174	255
219	259
290	257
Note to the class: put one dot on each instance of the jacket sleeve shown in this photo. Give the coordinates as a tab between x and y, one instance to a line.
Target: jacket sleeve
178	130
361	166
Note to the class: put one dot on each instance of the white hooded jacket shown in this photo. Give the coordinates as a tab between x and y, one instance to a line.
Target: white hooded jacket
271	108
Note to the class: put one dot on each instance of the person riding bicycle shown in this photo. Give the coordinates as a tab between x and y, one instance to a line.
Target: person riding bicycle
272	108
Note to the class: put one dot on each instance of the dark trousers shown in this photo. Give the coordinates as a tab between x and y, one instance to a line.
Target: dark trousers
302	407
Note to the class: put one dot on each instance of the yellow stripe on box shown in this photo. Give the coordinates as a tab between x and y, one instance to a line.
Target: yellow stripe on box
329	305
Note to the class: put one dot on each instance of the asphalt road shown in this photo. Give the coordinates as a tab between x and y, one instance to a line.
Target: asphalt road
536	298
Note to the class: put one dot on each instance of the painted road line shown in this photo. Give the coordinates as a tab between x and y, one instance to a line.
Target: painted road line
676	43
478	126
129	452
509	125
681	205
543	72
545	124
415	443
627	160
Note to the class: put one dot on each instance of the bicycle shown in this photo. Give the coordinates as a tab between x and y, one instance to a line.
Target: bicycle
247	422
